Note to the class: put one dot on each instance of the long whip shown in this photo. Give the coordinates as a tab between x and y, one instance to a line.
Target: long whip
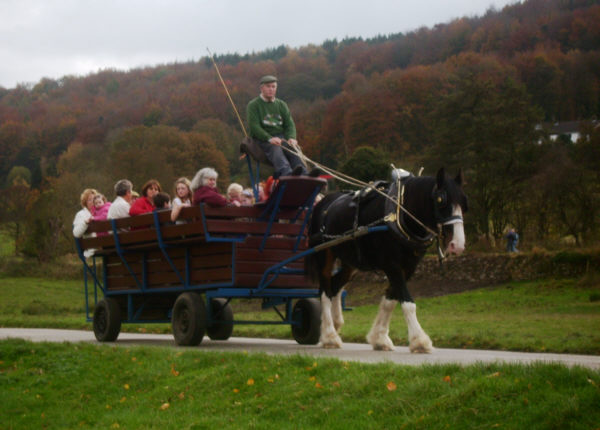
227	92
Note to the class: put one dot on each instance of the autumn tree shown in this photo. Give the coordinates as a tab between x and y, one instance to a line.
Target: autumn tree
367	164
485	124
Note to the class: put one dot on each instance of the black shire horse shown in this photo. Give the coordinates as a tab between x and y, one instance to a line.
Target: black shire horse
434	208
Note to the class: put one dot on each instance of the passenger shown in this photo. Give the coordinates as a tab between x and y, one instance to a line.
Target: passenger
84	216
269	187
247	197
234	194
145	203
162	201
121	205
204	186
101	207
183	198
262	195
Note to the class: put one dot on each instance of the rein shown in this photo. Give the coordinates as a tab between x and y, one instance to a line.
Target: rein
398	202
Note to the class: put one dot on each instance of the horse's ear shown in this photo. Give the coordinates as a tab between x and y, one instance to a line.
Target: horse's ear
460	177
440	178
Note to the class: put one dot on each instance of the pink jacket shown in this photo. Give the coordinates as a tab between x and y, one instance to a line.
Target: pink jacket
101	212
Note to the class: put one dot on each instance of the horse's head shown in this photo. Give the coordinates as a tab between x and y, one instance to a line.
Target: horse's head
450	203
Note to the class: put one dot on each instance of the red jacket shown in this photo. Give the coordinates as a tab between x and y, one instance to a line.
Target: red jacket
141	206
209	196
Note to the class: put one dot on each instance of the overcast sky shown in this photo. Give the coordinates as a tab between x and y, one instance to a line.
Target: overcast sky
54	38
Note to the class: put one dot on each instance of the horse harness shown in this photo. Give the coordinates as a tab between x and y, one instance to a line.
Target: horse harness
395	217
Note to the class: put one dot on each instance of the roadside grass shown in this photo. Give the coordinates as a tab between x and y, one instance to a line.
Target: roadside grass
542	316
57	386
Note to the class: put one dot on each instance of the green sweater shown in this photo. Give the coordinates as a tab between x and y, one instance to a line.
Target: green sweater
268	119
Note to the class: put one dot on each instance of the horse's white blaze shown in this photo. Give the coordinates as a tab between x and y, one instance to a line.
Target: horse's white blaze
378	336
418	340
457	244
336	311
329	336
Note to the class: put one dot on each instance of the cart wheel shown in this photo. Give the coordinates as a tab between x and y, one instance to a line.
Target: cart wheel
307	312
107	320
189	319
222	314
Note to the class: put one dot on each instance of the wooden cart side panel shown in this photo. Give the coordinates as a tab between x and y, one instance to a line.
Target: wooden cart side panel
210	263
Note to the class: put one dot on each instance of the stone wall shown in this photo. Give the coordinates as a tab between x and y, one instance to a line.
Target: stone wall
471	271
486	269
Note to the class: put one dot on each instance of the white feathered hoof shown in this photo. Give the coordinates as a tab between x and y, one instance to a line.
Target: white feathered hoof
331	341
380	343
420	344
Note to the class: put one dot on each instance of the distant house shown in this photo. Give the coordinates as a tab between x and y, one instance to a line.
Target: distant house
569	129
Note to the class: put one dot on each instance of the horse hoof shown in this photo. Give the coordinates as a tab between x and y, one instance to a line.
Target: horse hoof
383	348
421	348
331	346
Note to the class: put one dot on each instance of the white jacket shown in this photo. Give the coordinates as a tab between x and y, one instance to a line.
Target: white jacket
118	209
80	223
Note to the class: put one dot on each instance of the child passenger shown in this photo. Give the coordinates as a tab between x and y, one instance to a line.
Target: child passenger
234	194
183	198
101	207
162	201
247	197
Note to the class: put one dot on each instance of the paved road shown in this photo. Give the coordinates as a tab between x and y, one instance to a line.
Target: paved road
350	351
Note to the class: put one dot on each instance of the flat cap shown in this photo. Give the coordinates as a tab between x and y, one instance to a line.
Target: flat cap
267	79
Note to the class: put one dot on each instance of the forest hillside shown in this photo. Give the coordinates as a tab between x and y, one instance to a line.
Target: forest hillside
478	93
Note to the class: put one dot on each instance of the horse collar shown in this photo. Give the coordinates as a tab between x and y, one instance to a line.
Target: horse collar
396	217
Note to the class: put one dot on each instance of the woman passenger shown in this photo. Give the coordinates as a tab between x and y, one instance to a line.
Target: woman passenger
145	203
204	186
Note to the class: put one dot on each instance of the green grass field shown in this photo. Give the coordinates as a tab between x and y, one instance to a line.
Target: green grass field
57	386
103	386
543	316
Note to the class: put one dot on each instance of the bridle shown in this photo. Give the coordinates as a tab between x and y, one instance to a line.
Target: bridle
442	218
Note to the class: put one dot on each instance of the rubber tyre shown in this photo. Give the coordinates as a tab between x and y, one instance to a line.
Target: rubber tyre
189	319
308	313
107	320
222	314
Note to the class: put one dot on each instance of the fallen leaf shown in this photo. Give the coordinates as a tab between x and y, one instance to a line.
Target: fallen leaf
336	384
250	381
173	371
391	386
133	359
494	375
181	395
370	412
165	406
126	386
123	399
236	390
312	378
448	379
270	380
115	426
317	385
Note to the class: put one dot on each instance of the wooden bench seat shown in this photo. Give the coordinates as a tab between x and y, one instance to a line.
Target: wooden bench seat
228	246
